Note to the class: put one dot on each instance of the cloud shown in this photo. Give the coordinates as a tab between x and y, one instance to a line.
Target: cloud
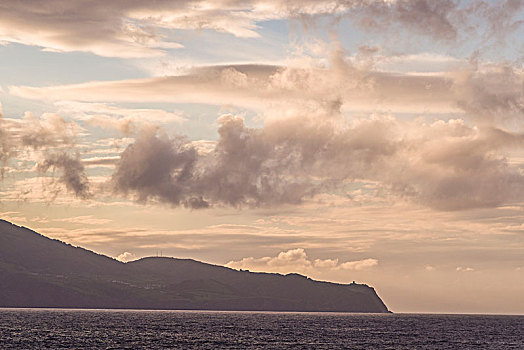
501	19
6	146
99	27
36	133
201	85
326	263
296	260
450	21
244	168
84	220
301	151
480	90
123	28
126	256
101	161
461	168
132	28
156	166
125	120
48	130
464	269
306	145
443	165
491	92
49	141
72	172
437	19
359	265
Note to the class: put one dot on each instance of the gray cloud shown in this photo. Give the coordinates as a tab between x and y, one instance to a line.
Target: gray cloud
72	172
247	167
243	169
156	166
444	165
311	150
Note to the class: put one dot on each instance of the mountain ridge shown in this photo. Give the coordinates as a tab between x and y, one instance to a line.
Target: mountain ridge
37	271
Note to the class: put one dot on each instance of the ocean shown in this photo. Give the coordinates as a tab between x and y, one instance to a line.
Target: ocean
131	329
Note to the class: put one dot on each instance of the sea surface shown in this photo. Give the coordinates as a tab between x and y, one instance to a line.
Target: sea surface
126	329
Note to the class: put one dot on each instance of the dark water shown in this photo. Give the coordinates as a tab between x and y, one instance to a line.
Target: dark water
79	329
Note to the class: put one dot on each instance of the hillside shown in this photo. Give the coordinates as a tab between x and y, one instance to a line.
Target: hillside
36	271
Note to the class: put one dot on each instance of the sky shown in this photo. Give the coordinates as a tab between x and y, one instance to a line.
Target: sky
376	141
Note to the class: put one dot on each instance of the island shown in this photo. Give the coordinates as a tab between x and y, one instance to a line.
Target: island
39	272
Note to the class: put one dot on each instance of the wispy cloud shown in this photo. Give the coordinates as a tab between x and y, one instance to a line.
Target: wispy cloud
137	29
124	120
481	91
84	220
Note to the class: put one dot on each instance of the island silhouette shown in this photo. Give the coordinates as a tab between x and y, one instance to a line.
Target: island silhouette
39	272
